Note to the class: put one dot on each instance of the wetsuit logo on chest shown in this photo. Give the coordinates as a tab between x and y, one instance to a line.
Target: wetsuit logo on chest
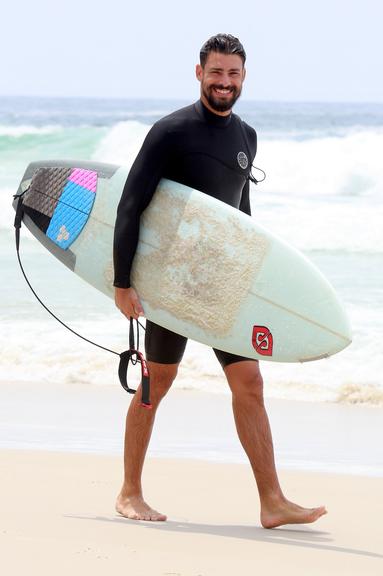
242	160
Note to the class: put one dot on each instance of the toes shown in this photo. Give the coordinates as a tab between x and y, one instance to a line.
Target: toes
318	512
157	517
147	515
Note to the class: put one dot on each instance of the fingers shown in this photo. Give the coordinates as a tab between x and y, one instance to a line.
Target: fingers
128	303
134	314
136	309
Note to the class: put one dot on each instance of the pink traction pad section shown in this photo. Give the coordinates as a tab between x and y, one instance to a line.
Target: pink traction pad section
85	178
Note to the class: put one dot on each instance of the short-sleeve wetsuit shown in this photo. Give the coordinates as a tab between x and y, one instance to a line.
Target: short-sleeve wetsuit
200	149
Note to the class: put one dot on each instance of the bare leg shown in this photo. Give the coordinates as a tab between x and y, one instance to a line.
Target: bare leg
254	432
139	424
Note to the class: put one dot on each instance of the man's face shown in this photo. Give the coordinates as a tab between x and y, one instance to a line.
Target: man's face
221	81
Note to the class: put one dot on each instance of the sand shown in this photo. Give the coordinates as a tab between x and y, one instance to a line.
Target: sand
57	517
61	469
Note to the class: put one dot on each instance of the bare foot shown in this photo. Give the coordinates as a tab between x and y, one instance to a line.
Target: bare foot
136	508
286	512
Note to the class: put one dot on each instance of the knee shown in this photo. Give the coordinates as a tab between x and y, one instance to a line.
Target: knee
161	378
248	389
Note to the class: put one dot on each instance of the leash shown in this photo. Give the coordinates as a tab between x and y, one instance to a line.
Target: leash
132	355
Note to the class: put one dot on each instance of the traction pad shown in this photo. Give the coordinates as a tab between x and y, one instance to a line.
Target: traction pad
63	198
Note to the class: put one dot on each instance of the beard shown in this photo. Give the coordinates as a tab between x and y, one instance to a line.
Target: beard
221	104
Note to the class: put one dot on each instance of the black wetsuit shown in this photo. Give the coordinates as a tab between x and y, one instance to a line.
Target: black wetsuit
195	147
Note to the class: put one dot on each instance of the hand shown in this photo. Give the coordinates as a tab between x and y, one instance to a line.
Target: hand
128	303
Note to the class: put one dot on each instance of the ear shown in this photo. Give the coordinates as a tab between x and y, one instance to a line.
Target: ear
244	74
199	72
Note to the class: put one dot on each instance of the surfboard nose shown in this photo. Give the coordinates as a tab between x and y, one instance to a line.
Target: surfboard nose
330	327
337	335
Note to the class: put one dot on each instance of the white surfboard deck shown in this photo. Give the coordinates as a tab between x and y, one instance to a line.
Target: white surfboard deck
204	270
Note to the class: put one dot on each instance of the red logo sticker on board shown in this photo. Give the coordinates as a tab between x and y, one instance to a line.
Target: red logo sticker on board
262	340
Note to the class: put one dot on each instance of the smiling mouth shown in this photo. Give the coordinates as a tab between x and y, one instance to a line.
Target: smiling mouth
222	91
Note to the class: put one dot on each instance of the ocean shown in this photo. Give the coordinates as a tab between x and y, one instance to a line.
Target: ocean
323	194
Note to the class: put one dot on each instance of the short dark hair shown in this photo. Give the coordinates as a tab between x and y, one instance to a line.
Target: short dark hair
223	43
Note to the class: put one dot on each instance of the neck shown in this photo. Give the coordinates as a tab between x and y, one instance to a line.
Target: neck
207	105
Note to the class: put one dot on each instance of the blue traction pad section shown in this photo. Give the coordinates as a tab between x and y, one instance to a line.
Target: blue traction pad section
70	215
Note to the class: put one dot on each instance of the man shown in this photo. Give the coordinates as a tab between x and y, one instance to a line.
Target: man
207	147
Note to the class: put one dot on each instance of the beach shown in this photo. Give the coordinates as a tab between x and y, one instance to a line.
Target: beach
57	516
61	469
57	506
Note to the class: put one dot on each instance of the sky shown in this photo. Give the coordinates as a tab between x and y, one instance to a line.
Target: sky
298	50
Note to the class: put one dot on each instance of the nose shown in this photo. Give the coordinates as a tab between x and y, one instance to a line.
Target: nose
225	79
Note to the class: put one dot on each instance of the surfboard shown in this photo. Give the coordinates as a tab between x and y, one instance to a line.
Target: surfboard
202	268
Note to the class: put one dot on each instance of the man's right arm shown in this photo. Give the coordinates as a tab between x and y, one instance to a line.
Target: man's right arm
139	188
